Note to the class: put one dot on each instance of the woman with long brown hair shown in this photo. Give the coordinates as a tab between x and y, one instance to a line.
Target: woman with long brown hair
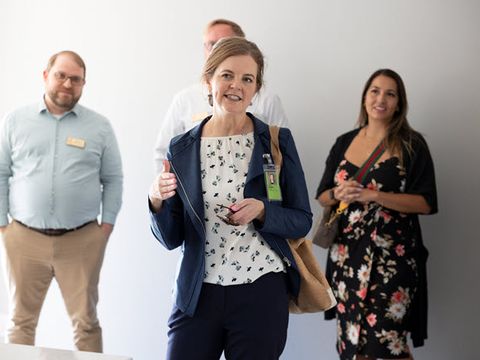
377	262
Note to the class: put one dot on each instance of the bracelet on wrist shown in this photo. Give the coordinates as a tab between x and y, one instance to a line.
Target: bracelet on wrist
331	194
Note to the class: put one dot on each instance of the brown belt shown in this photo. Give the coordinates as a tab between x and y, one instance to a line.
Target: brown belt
54	232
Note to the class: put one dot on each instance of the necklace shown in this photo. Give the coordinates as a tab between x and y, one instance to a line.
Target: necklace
221	127
244	128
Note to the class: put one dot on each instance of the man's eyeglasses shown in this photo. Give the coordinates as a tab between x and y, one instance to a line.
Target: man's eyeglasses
226	217
74	80
209	45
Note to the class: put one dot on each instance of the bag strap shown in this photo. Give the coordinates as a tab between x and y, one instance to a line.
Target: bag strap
360	176
362	172
275	147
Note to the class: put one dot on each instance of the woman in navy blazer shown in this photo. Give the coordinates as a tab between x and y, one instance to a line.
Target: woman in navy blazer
236	271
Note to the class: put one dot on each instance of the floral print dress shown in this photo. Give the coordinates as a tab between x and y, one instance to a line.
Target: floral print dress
374	269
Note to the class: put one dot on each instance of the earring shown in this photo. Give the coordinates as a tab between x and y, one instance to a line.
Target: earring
210	99
253	98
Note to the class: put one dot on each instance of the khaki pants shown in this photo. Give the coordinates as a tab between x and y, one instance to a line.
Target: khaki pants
74	259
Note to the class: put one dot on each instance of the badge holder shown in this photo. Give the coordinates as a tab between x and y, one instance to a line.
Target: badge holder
272	181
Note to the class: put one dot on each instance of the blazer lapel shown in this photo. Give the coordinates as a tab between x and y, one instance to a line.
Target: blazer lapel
185	160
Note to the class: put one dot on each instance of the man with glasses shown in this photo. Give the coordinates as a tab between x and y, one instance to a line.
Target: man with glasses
59	164
191	105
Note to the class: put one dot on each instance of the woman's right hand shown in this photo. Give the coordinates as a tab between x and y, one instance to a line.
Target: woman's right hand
348	191
163	187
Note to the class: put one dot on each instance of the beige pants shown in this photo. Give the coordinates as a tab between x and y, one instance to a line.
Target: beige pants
74	259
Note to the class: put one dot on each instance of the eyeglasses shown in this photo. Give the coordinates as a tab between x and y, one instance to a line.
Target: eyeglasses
74	80
226	217
209	45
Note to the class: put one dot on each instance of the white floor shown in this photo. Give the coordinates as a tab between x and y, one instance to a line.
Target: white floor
24	352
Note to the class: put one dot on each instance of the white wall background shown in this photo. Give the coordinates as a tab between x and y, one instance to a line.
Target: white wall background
319	55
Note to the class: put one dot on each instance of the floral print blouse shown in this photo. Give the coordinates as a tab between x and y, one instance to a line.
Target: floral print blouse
233	254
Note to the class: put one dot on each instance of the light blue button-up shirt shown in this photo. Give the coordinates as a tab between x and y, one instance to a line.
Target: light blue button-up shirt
58	173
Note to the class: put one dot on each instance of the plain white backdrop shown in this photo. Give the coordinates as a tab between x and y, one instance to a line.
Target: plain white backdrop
319	54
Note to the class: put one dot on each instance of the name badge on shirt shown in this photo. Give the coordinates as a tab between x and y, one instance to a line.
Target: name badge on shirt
199	116
78	143
272	183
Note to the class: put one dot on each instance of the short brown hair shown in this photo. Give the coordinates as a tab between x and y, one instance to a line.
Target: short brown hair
233	46
75	57
237	30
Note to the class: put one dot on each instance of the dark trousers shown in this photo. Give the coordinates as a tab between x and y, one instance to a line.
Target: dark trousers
247	321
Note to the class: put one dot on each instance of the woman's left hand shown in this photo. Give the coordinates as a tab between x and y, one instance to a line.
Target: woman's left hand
246	211
348	191
366	195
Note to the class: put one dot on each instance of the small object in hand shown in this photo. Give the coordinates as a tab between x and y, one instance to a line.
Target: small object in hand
226	217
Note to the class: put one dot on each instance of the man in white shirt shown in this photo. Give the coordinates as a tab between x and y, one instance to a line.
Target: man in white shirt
191	105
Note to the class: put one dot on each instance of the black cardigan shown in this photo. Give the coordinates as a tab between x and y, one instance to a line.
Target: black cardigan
420	180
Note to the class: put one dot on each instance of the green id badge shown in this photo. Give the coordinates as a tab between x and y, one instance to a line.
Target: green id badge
272	184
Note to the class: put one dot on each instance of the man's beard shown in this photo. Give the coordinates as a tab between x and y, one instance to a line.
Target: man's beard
62	102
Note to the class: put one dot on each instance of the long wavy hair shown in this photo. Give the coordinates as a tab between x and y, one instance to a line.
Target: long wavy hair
399	132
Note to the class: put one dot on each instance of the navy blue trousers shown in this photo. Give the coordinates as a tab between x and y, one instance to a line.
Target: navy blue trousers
247	322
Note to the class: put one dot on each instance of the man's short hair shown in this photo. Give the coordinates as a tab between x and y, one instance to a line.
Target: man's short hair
237	30
78	60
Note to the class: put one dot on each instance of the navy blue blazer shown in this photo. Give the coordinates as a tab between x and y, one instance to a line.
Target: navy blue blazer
180	222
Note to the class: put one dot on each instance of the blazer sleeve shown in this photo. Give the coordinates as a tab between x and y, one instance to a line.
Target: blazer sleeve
420	173
167	225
